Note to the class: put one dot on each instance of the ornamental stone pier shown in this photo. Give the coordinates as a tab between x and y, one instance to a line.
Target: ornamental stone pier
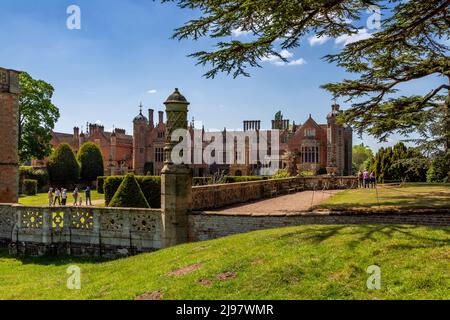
9	128
176	179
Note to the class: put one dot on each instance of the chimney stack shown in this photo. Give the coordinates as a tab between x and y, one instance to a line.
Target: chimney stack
76	132
161	117
151	113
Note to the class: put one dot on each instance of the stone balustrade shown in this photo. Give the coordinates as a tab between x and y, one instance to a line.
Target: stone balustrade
80	230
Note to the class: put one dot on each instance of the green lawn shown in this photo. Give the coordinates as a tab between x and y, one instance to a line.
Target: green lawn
408	196
307	262
41	199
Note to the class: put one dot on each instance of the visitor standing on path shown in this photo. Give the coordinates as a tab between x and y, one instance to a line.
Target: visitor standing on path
373	180
50	197
360	179
88	196
366	178
75	197
57	197
64	196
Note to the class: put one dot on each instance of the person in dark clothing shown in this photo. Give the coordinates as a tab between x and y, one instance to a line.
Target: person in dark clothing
88	196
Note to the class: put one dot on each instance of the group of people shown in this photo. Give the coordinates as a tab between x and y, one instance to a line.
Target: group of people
366	179
59	195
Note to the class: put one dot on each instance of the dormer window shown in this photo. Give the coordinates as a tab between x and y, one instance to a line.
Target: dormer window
310	133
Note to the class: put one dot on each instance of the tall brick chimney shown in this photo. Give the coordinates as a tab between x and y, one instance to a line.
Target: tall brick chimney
9	129
151	120
161	117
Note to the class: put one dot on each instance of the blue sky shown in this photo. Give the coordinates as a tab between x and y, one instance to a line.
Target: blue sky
123	51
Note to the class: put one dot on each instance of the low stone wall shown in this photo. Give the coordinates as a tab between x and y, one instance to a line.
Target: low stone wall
208	226
79	231
218	196
8	219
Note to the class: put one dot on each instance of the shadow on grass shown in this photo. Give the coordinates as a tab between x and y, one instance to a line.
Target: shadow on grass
53	260
422	200
371	233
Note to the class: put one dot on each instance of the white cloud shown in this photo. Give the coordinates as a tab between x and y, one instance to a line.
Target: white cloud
347	39
286	54
297	62
98	122
152	91
239	32
277	61
315	40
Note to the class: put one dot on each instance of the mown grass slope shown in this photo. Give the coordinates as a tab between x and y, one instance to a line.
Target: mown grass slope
307	262
391	197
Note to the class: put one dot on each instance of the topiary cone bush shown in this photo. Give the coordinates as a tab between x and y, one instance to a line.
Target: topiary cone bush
62	166
91	162
129	195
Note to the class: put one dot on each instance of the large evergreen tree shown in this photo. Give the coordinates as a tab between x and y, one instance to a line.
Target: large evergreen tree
409	46
399	163
62	166
91	162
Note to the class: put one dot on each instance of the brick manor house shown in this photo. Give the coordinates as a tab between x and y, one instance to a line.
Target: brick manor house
319	148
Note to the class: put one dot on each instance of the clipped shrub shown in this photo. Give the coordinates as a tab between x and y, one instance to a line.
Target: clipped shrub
202	181
150	186
110	187
235	179
281	174
30	187
129	195
101	184
63	167
91	162
41	175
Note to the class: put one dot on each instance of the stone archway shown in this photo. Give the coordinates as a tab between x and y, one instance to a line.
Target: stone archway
9	128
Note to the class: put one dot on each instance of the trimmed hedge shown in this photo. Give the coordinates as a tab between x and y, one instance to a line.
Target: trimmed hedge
150	185
201	181
233	179
129	195
30	187
101	184
41	175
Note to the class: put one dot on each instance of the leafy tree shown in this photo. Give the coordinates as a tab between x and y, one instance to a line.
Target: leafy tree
440	168
37	118
408	47
360	155
398	163
129	195
91	162
62	166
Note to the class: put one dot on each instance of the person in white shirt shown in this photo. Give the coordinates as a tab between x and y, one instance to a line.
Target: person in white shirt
57	197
